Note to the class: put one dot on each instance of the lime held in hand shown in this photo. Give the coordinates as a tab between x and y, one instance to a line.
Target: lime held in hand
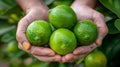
62	17
62	41
38	32
86	32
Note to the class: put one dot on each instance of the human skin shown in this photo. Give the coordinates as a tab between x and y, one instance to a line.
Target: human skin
84	9
36	9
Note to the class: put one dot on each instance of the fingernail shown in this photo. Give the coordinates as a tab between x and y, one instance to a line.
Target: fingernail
26	45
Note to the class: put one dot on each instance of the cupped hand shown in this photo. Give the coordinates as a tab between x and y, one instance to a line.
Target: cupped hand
85	12
41	53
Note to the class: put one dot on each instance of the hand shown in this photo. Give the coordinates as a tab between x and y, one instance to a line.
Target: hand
85	12
41	53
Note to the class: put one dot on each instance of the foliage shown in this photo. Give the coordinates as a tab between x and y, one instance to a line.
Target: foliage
11	13
113	5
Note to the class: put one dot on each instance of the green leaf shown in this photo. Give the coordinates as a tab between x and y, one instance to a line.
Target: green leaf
38	64
62	65
48	2
3	6
106	12
111	46
53	64
6	29
113	5
9	36
44	64
4	17
80	61
117	24
6	5
111	27
17	54
9	2
14	10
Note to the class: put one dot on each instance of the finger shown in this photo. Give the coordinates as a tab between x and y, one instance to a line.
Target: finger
102	28
22	26
56	58
80	56
20	34
25	21
20	46
84	49
71	57
40	51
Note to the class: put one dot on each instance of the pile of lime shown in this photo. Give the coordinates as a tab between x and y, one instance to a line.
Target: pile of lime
63	32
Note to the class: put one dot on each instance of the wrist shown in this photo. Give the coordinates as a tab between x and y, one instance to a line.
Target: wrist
41	8
89	3
28	5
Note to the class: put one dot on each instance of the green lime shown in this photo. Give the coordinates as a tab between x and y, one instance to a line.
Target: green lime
62	41
86	32
13	19
12	46
62	17
38	32
96	59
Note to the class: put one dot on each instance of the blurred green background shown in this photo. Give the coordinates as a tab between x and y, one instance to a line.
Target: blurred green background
11	56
